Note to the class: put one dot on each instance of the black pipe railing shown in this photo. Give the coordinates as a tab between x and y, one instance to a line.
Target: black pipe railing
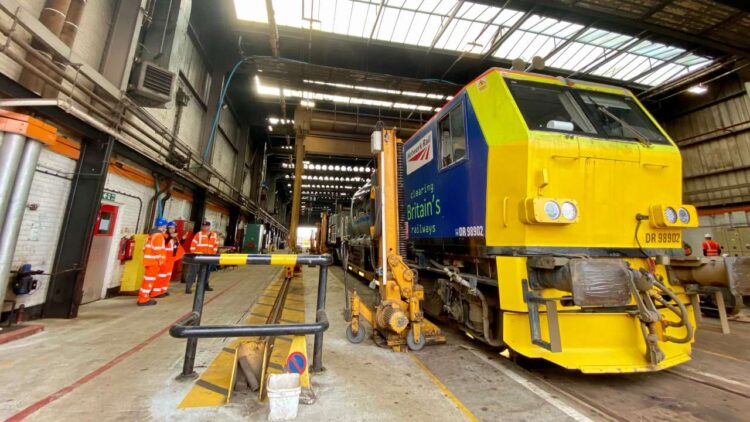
190	328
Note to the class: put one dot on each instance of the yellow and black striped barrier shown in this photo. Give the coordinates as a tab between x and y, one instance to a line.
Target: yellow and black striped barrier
258	259
190	328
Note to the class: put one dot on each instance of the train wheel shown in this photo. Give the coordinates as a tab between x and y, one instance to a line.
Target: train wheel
415	345
355	338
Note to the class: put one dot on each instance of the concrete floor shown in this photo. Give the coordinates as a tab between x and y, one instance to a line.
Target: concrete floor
117	362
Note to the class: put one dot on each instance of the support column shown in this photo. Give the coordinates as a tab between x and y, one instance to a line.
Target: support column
234	217
198	211
299	157
10	156
16	209
32	134
66	284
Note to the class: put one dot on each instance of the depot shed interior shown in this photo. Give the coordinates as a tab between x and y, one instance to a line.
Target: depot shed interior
204	110
322	73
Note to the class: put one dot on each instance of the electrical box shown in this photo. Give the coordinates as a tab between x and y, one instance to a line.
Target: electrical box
253	241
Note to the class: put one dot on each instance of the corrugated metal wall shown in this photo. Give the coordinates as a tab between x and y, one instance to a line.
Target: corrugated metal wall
715	142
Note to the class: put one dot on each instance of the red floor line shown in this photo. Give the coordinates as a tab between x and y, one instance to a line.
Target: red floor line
23	414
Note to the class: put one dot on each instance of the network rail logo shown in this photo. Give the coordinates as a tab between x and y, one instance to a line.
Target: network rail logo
419	154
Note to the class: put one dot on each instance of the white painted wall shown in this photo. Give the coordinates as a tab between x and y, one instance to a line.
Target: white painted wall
191	123
126	218
224	156
219	222
40	229
177	209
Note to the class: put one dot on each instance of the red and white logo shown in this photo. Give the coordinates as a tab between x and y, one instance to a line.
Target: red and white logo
419	154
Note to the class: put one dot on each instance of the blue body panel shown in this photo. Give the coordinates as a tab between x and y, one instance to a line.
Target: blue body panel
449	202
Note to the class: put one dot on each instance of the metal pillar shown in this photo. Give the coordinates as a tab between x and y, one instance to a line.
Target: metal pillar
299	156
317	365
15	209
192	343
10	155
66	284
198	211
190	328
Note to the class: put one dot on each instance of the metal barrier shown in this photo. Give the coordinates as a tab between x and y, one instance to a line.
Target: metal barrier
190	328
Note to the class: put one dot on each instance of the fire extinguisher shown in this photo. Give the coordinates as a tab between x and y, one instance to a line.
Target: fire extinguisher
127	247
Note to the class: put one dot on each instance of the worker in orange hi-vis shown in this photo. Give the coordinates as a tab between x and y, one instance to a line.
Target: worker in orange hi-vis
174	253
710	246
205	242
154	255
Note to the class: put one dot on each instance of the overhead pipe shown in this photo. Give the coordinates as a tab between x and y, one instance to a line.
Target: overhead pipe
94	122
67	35
53	18
165	197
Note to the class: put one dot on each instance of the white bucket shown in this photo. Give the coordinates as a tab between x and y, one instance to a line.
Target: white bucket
283	396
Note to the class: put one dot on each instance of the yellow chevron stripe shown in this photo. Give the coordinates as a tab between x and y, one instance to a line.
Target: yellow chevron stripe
213	385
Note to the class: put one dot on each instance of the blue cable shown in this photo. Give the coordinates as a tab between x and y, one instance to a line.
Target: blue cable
215	123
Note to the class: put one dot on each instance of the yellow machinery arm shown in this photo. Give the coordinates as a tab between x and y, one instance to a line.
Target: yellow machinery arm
398	316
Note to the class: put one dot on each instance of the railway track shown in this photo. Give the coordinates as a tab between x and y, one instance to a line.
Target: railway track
678	393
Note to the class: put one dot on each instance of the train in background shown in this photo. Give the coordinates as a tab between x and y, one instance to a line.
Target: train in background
331	232
540	214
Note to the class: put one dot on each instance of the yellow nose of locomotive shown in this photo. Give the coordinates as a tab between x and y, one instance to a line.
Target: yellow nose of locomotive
580	224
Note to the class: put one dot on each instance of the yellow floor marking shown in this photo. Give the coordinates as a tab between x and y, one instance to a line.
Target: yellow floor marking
280	352
211	388
443	389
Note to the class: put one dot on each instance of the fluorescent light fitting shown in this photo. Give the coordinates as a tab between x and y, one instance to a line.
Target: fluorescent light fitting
699	89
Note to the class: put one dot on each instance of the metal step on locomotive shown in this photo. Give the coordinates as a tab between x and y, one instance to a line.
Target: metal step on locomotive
538	214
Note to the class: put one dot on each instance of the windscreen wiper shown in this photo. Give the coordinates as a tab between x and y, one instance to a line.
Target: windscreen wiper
638	135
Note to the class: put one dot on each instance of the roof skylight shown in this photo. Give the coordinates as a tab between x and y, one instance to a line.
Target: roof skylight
472	28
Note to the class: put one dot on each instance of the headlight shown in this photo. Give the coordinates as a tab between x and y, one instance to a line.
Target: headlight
552	210
670	214
569	210
684	215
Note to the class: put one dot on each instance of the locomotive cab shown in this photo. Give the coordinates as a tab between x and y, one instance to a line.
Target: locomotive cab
564	199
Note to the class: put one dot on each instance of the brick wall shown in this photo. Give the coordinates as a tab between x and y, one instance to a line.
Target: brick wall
40	229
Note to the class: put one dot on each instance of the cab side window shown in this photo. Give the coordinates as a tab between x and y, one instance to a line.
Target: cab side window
452	137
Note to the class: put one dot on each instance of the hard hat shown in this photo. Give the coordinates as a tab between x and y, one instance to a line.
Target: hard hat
708	235
160	222
171	224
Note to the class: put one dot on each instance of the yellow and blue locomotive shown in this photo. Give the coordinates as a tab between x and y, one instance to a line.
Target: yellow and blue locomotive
541	214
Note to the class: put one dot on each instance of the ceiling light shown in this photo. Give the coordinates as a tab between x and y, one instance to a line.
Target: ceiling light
699	89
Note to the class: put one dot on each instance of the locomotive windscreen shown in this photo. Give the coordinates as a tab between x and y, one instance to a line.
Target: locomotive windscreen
561	109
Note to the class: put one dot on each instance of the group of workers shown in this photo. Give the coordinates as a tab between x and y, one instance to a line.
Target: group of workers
162	250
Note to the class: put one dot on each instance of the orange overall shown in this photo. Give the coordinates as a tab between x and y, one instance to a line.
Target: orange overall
205	243
154	255
711	248
173	253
